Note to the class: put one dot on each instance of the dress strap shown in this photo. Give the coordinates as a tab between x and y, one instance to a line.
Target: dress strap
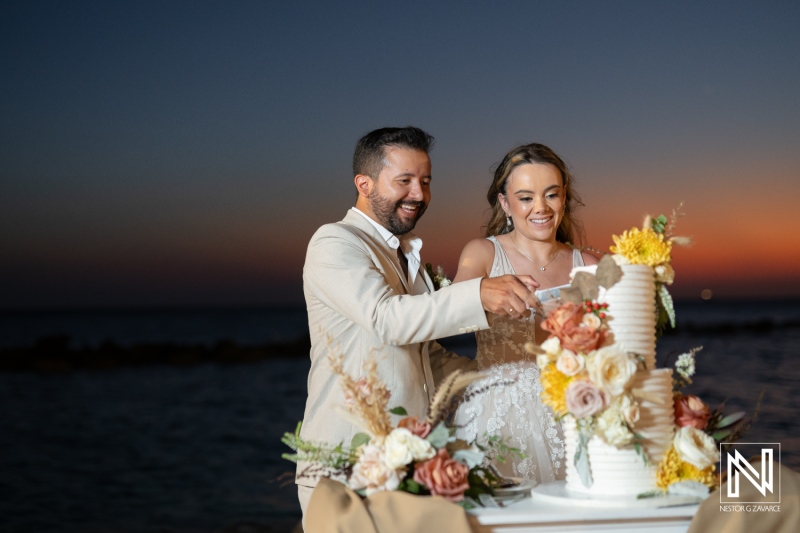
577	258
501	264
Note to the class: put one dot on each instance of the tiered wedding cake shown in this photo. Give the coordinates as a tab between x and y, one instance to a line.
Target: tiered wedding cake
622	471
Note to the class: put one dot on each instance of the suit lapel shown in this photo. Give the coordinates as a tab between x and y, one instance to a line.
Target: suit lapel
368	230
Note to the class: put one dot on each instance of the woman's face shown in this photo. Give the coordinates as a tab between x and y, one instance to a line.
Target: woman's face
534	200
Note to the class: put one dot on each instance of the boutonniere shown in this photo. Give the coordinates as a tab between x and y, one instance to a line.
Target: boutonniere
439	279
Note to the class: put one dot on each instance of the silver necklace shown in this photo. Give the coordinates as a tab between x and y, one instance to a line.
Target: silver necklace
543	268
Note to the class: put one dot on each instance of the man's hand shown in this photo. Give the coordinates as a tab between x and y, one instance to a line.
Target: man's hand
510	296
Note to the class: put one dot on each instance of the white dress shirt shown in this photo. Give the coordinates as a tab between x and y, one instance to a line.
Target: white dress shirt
410	246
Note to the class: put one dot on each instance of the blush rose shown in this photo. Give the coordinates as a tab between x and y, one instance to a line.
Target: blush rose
584	399
568	314
692	412
420	428
443	476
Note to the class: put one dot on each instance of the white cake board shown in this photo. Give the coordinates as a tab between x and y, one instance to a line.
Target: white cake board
557	493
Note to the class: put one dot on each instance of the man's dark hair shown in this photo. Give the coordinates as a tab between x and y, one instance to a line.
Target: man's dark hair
368	158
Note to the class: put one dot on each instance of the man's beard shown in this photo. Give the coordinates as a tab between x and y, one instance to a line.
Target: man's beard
386	211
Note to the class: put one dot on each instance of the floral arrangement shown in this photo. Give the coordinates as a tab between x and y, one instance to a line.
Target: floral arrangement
412	455
652	246
439	279
587	377
691	461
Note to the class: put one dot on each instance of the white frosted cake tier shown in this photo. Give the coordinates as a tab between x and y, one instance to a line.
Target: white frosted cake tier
622	471
632	310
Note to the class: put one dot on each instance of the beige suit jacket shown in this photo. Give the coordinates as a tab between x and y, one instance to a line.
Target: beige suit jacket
359	303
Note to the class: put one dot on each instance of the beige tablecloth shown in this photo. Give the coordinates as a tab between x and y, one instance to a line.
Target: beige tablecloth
336	509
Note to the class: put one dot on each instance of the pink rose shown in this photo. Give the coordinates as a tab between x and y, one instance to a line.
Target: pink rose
443	476
585	399
582	338
420	428
691	411
568	314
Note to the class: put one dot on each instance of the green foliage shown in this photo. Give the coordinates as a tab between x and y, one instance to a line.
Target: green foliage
664	308
468	456
399	410
359	439
333	456
497	449
651	494
582	459
659	224
409	485
439	436
480	482
640	451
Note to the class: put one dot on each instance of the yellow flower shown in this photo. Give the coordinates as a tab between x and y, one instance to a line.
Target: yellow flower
672	469
555	384
642	247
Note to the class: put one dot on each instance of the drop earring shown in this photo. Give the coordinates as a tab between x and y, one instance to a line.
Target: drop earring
508	222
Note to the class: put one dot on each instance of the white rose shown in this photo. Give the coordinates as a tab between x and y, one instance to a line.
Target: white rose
401	447
569	363
695	447
628	408
613	429
591	320
372	473
611	369
552	347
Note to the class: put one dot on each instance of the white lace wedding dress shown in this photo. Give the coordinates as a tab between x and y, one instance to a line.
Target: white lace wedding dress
513	411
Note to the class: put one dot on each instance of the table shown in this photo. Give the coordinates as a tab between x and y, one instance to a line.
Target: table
543	514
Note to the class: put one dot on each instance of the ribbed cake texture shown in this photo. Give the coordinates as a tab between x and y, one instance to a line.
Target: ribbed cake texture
622	471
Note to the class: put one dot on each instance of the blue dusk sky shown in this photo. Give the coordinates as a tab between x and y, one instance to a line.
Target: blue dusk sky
182	153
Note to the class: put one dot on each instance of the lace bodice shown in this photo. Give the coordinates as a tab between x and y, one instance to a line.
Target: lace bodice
504	342
514	411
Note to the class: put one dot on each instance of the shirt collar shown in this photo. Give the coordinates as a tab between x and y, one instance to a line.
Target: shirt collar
387	235
411	244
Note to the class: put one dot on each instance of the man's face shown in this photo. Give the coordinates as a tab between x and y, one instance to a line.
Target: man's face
403	189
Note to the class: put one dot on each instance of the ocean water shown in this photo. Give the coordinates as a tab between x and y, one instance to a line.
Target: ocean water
197	448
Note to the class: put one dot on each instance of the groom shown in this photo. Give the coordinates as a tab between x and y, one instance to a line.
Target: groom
366	292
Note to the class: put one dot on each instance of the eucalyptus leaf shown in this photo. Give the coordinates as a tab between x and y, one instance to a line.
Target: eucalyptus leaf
359	439
608	272
439	436
571	295
666	302
471	457
641	452
730	420
582	460
587	284
399	410
719	435
657	493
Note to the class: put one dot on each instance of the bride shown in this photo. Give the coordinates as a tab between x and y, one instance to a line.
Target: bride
530	232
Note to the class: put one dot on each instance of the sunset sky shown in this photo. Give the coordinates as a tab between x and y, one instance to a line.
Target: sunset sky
183	153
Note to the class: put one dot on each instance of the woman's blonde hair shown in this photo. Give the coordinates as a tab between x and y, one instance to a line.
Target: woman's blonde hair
570	230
